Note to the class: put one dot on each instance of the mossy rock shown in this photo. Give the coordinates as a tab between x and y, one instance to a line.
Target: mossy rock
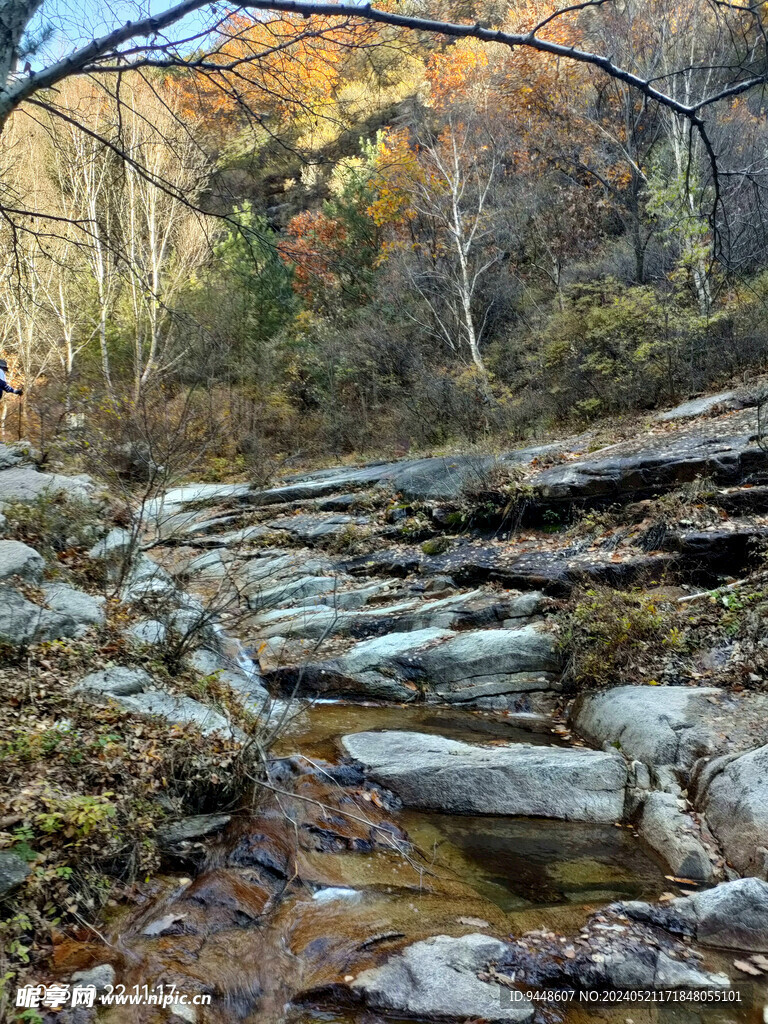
436	546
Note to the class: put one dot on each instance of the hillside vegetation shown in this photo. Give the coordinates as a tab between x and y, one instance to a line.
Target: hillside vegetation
375	241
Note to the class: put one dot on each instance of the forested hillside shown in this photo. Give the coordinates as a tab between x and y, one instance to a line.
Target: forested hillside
359	240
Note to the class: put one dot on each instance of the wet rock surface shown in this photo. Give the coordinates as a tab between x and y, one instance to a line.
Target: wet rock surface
439	978
609	952
374	583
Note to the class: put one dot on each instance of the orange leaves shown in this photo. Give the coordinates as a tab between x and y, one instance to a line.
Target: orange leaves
453	72
314	243
397	171
275	65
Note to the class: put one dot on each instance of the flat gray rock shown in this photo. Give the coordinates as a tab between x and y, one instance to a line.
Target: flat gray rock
722	402
438	978
118	681
446	775
86	608
732	915
293	592
148	631
734	797
17	559
320	526
176	710
672	725
25	483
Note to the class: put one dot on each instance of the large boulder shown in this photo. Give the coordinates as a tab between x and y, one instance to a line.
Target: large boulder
438	978
732	915
22	622
733	794
672	725
446	775
17	559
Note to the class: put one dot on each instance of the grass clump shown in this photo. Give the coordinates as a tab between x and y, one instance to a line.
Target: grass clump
608	636
53	524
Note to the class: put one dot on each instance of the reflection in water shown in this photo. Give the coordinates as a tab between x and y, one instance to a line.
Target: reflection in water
317	732
526	862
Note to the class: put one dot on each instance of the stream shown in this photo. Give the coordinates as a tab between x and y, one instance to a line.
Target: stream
346	902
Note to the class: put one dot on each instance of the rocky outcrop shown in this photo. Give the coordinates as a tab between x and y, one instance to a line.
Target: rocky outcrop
655	463
17	559
133	690
447	775
176	709
475	610
437	664
554	572
672	725
609	952
732	915
733	794
437	978
321	526
725	401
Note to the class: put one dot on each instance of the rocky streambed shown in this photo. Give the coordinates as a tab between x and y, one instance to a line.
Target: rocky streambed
442	828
